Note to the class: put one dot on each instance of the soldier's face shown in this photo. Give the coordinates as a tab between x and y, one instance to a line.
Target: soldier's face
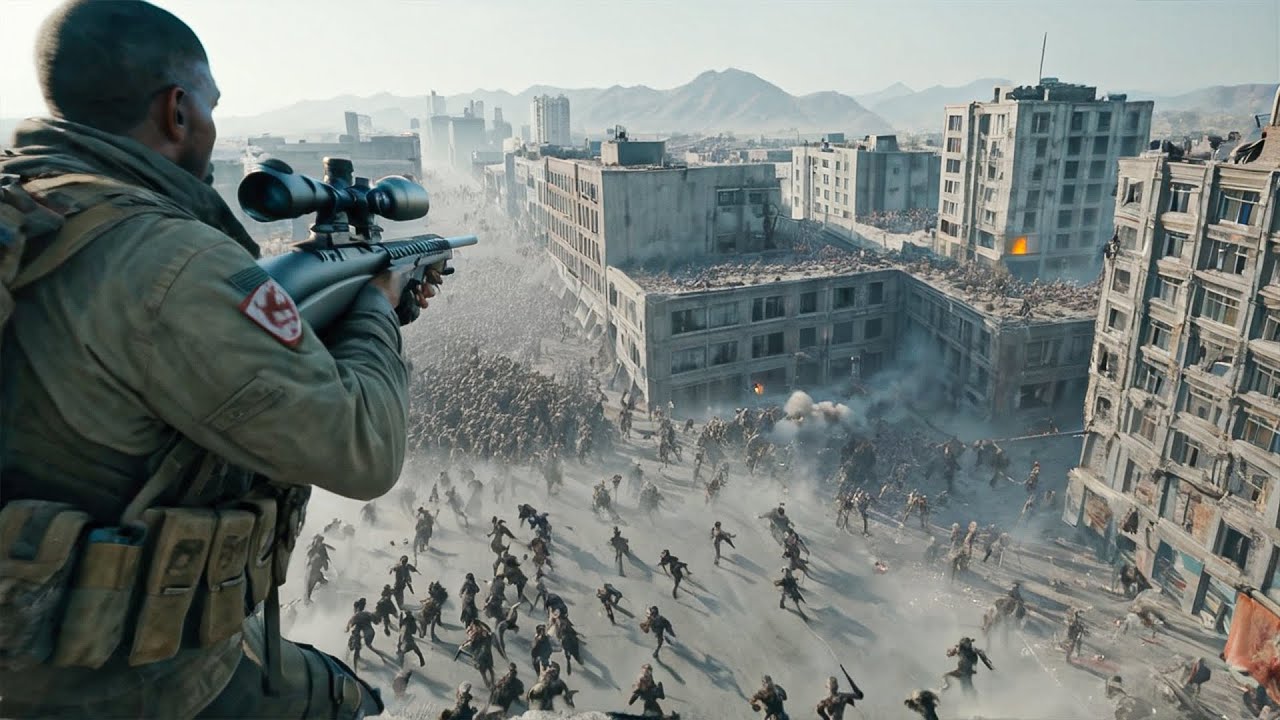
196	105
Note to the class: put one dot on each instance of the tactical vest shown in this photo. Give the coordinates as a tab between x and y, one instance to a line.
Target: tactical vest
196	550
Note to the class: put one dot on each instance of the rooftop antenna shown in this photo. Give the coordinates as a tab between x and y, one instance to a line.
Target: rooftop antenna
1043	44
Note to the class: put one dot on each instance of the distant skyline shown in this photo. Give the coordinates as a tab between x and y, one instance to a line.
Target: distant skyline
269	54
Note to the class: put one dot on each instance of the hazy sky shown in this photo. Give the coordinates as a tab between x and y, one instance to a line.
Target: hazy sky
269	53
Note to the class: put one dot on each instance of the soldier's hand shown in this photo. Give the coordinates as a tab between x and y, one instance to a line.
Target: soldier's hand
405	293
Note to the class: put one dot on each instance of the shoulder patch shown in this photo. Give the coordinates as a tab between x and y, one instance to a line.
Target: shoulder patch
249	279
273	310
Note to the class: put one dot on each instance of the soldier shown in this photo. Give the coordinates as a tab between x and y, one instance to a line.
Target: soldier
432	609
621	547
384	610
469	586
647	691
609	597
770	698
423	529
999	466
498	530
967	658
408	639
479	645
548	688
359	628
779	523
718	535
925	702
317	563
1075	632
369	514
660	626
567	635
403	573
455	504
832	706
462	708
541	553
510	570
669	562
790	591
540	648
507	690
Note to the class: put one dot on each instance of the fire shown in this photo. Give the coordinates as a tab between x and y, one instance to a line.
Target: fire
1019	246
758	388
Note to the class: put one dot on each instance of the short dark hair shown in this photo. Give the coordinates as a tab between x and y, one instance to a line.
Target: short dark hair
101	62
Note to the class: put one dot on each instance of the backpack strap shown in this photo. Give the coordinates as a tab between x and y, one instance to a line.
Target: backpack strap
91	213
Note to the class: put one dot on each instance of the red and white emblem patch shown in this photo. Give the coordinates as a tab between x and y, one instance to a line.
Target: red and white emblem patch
271	307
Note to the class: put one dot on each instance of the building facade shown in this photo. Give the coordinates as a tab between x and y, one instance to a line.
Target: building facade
466	136
549	120
1027	178
1181	462
807	329
840	184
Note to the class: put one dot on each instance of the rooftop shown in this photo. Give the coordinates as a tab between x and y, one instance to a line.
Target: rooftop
993	293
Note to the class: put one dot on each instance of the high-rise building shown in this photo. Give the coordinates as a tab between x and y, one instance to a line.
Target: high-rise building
843	183
466	135
1027	177
501	128
1180	470
549	119
436	105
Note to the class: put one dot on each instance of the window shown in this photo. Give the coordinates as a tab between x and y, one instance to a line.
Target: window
1104	121
1150	377
1271	325
723	315
1068	194
875	293
842	333
953	165
1219	308
1073	146
1128	237
1133	193
767	345
1236	206
986	239
1202	405
683	361
1166	289
948	207
949	228
826	163
1185	450
1120	280
1180	197
1042	148
1117	319
951	187
1159	335
808	303
1265	380
1034	395
687	321
1097	169
1261	432
984	343
755	197
1040	122
1233	545
953	145
1173	244
1142	422
1029	221
954	122
872	329
767	308
1077	121
845	297
1224	256
1071	169
808	337
1063	240
1041	353
1093	193
724	353
871	363
726	198
1101	145
1089	217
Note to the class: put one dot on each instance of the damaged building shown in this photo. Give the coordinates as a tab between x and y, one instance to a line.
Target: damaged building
1180	463
714	335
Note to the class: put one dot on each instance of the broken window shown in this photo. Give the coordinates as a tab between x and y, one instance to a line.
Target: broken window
687	321
1120	281
845	297
808	302
1249	483
1224	256
1185	450
1260	432
1237	206
1142	422
1201	404
1117	319
1102	407
1035	395
1271	325
1150	377
1233	545
1266	380
1133	193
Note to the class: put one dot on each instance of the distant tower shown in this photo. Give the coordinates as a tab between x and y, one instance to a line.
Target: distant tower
549	120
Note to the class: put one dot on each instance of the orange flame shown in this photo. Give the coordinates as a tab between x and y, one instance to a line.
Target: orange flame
758	388
1019	246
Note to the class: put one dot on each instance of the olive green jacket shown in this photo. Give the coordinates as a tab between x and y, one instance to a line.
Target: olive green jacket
144	335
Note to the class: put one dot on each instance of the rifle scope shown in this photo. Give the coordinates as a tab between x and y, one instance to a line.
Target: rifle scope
275	192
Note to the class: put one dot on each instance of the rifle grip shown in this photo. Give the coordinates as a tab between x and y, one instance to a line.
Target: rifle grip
408	311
